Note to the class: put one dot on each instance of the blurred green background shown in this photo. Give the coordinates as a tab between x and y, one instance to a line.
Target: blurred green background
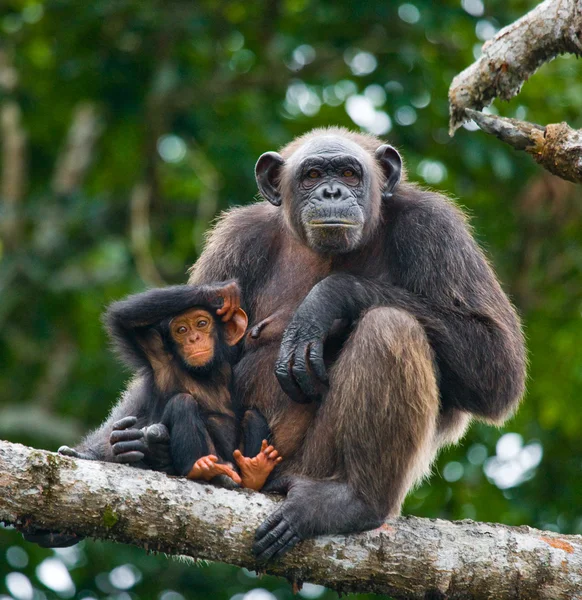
127	125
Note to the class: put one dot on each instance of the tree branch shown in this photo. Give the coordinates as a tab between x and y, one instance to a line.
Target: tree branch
553	27
407	557
557	148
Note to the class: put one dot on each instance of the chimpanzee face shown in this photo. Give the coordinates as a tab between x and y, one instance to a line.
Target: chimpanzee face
330	189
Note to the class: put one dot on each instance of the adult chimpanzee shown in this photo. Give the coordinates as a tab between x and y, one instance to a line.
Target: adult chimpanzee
431	338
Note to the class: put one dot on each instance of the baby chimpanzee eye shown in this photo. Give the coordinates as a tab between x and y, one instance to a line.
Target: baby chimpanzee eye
182	329
202	323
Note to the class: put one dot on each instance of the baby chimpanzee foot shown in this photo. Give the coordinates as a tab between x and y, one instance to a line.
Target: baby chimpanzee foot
208	467
254	471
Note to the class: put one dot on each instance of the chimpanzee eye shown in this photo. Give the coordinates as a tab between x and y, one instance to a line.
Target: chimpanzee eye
313	174
181	329
202	323
348	173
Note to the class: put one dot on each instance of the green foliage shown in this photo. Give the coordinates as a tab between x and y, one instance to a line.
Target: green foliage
188	94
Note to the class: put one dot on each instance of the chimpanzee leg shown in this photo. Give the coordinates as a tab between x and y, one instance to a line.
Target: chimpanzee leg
372	439
255	429
189	439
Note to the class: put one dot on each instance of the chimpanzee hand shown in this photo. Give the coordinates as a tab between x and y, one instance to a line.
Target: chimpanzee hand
127	443
300	368
159	455
312	507
67	451
229	293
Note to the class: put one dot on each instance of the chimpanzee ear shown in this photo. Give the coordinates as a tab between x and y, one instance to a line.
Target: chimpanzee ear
235	328
268	172
391	164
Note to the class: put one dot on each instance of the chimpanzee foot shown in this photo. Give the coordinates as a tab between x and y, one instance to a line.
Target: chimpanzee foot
208	467
254	471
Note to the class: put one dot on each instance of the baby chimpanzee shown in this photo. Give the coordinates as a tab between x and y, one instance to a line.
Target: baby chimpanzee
182	353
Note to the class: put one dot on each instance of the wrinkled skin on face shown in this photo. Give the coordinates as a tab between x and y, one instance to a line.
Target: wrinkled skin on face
331	186
330	189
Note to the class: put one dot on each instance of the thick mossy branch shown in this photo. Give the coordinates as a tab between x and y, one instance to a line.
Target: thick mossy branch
557	148
406	557
552	28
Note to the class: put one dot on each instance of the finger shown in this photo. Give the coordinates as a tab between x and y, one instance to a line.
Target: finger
228	316
125	435
287	382
316	362
157	434
66	451
269	523
130	457
286	547
125	423
263	445
270	538
268	449
212	458
278	545
229	472
273	455
279	460
301	374
123	447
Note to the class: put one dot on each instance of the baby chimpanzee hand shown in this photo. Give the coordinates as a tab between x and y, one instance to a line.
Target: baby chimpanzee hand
230	294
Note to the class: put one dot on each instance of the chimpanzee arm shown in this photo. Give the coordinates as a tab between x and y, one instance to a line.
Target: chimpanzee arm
124	436
440	276
128	320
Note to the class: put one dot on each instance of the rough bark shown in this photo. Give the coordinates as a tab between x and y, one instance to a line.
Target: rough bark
552	28
558	148
406	557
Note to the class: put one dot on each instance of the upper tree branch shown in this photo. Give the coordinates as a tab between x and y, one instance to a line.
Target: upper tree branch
558	148
552	28
407	558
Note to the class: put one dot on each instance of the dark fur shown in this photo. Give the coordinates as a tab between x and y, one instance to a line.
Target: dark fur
433	340
195	403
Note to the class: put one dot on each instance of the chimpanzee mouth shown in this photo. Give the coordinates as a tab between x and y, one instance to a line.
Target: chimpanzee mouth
333	223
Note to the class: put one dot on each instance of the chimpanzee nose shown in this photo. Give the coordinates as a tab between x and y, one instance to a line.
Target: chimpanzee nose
332	192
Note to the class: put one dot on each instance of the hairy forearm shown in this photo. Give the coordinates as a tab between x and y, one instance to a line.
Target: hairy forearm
147	308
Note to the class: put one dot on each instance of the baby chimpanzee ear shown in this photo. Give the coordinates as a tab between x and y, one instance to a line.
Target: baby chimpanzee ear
235	328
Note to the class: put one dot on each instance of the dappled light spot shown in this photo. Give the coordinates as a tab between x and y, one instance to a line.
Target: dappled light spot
514	463
16	557
474	7
409	13
53	573
311	591
124	577
19	586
